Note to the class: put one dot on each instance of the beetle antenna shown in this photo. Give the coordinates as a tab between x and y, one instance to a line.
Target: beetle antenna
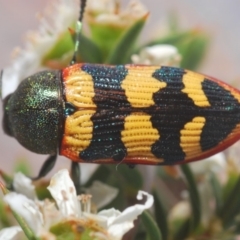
78	31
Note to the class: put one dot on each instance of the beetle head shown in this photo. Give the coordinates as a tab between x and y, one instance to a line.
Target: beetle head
33	113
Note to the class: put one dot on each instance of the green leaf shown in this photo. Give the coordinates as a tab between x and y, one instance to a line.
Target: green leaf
132	177
231	206
160	215
124	47
194	197
105	36
191	44
193	51
88	51
120	201
42	191
140	235
151	227
22	166
229	186
27	231
61	47
128	181
172	39
237	227
217	192
4	219
173	22
7	179
182	230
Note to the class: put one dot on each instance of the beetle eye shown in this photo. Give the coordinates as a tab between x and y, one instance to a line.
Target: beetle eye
5	122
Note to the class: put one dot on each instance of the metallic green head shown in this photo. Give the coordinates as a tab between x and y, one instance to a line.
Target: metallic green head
33	113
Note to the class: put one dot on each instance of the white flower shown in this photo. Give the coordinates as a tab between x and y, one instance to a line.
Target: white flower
11	233
214	164
117	223
162	54
108	12
63	191
101	6
181	211
60	15
40	216
26	208
23	185
101	193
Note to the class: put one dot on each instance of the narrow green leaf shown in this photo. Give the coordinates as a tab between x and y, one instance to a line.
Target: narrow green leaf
62	46
183	230
194	52
151	227
7	179
217	192
42	191
120	201
191	45
173	22
27	231
141	233
160	215
124	47
128	181
105	36
194	196
132	177
172	39
88	51
4	219
231	206
229	186
237	227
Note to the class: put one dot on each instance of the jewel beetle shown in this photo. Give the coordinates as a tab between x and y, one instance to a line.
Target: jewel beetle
133	114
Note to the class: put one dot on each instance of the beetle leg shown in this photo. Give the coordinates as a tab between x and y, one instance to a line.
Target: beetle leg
132	166
76	176
46	167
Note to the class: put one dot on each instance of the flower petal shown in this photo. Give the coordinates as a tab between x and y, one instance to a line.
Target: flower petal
60	15
162	54
119	224
102	194
11	233
63	191
214	164
27	209
23	185
106	6
131	213
105	217
108	12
